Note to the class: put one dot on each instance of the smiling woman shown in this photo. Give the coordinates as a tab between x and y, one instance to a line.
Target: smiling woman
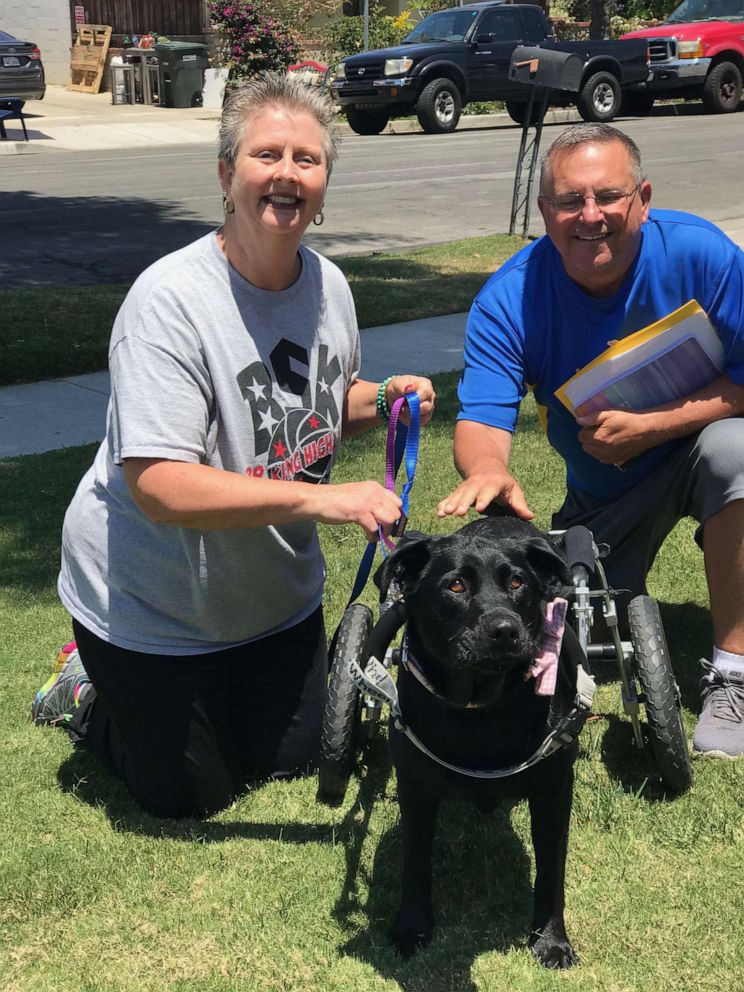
191	564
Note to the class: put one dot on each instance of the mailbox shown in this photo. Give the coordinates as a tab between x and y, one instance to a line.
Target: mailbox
547	68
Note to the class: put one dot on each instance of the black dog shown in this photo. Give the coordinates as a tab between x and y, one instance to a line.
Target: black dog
475	602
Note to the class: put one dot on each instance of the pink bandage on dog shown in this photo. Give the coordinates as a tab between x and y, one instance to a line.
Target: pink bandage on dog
544	669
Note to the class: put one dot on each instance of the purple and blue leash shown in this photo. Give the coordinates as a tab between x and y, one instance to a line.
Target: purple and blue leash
402	445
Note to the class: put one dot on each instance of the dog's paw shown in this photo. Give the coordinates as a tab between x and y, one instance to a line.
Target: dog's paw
553	951
409	935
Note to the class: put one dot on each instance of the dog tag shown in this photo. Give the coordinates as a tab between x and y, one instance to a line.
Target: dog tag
400	525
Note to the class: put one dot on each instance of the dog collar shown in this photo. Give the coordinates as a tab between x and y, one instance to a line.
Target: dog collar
410	664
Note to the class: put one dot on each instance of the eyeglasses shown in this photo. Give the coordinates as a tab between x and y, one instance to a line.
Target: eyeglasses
573	203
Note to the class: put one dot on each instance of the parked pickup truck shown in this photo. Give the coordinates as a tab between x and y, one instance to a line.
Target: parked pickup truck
698	53
459	55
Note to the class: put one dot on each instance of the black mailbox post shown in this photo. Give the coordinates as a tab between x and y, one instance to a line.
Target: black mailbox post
543	70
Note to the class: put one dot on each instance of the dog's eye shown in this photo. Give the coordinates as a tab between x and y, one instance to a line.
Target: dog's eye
515	582
457	585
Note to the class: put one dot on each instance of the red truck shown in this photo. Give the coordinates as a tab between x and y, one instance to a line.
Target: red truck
698	53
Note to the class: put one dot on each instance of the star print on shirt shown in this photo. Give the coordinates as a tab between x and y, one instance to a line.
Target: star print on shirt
324	387
257	389
314	422
279	450
267	421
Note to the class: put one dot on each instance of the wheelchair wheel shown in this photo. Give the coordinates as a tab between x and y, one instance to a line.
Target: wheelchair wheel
341	718
652	667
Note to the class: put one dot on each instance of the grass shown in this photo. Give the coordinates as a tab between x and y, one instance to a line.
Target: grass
56	332
280	894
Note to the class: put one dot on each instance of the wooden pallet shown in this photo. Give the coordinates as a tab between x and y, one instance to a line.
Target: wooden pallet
88	57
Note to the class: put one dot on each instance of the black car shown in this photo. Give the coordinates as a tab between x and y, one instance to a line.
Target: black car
21	71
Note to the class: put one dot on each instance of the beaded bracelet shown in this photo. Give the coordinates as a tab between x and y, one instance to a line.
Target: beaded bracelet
383	407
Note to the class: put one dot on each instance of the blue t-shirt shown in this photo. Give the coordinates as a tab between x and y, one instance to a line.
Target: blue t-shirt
531	326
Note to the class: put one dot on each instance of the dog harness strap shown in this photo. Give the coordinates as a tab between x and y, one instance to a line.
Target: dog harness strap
377	682
563	736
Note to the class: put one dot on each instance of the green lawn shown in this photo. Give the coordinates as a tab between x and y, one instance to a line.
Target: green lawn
59	331
280	894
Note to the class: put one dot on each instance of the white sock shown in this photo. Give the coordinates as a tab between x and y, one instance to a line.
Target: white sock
728	661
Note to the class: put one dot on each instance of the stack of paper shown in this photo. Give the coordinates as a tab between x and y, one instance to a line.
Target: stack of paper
671	358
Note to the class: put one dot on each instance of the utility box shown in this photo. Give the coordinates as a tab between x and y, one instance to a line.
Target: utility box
181	68
547	68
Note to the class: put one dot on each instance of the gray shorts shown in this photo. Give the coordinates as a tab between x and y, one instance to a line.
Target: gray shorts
701	476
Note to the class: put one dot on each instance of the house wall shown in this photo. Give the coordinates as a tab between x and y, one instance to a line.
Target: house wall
47	24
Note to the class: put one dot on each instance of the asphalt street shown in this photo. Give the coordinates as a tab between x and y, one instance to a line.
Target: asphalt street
81	217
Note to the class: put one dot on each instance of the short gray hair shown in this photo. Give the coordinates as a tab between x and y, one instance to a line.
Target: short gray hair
584	134
275	89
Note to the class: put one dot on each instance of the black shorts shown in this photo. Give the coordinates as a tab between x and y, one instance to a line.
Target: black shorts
188	733
702	475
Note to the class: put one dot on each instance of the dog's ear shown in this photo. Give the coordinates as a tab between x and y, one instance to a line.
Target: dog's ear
550	565
404	565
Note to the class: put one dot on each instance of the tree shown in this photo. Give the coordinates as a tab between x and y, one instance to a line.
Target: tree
599	24
254	41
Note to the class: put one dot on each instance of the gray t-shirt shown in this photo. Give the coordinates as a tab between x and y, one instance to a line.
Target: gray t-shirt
206	368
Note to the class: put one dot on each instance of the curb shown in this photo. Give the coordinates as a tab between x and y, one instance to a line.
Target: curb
470	122
9	147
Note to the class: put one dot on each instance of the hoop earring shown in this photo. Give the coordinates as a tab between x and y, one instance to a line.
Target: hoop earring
227	205
318	218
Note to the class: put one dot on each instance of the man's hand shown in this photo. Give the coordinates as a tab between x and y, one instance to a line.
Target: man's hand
613	437
480	489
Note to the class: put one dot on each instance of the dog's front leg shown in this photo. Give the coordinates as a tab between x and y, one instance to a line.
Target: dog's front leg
418	814
550	817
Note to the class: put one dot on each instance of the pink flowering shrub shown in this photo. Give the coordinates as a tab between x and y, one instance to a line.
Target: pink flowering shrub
255	41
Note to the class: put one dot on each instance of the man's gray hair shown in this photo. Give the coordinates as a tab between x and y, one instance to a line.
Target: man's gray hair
275	89
584	134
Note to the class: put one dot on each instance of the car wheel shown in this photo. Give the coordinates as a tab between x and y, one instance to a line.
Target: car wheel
518	111
722	90
367	121
599	99
637	104
439	107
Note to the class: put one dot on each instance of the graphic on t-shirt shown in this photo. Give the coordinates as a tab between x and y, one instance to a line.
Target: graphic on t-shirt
292	442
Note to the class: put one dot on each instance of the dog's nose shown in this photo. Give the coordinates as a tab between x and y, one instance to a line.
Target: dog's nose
502	630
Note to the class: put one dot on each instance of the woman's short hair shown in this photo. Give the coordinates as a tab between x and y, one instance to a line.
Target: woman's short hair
275	89
583	134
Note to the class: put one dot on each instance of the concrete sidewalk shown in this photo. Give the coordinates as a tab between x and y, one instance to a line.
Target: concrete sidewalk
66	120
63	413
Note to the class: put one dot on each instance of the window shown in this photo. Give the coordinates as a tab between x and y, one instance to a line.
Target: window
502	25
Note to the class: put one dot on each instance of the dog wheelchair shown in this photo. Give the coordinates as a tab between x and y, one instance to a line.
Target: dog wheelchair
363	656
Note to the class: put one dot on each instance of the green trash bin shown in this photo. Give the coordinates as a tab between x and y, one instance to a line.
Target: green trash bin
181	66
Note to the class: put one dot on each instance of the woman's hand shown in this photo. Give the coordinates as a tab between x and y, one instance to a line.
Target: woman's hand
400	385
360	403
365	503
